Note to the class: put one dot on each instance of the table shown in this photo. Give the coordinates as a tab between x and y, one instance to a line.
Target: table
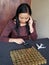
5	49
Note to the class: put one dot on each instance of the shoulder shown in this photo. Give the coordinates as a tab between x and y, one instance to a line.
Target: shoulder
11	24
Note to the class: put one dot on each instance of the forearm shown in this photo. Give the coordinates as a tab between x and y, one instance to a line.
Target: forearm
33	33
6	39
33	36
3	39
31	29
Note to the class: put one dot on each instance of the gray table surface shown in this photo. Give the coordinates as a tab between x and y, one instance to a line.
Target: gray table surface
5	49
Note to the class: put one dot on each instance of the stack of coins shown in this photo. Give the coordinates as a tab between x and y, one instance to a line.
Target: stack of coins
29	56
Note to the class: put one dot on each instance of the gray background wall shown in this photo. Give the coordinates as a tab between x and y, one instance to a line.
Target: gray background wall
40	12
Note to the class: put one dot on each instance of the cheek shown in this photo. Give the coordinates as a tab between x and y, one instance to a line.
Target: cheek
21	20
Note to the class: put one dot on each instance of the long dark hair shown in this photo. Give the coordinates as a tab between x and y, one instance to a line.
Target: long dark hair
23	8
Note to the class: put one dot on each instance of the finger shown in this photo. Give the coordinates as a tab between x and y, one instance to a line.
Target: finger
30	17
23	41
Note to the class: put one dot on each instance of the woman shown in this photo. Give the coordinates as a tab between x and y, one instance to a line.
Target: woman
23	29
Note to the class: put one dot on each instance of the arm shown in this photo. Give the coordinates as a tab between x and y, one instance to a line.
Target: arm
18	40
7	31
33	33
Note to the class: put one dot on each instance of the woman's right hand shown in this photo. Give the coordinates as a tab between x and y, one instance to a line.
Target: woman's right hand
18	40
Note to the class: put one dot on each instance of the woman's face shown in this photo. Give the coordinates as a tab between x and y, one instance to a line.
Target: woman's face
23	17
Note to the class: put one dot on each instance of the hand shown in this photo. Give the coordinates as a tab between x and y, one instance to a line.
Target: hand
18	40
30	21
31	25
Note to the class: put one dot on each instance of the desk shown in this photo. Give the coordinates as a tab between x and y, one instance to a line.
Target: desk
5	48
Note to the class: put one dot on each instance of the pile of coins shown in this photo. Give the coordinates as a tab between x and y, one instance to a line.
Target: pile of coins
28	56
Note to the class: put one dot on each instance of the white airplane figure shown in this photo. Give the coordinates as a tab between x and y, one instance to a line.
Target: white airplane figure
40	46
